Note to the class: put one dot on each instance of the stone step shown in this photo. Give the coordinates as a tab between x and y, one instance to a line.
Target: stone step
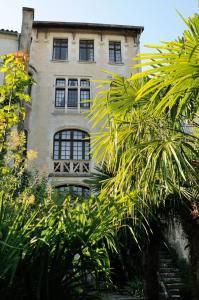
168	269
119	297
172	280
166	265
166	260
169	274
176	285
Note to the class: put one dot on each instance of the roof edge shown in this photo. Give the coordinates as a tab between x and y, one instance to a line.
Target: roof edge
7	31
80	25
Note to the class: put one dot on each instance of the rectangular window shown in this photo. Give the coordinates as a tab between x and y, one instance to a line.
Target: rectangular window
60	49
77	91
115	52
60	98
61	82
72	98
86	50
60	93
73	82
84	93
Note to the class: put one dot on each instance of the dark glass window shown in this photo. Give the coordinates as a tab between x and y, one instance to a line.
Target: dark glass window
72	98
86	50
72	82
71	145
76	190
60	49
85	83
84	95
60	82
59	97
115	52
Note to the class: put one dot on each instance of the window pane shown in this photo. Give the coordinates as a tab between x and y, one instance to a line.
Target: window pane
56	150
60	82
84	95
65	150
77	135
72	82
65	135
86	50
87	150
115	52
60	49
85	83
60	97
63	52
77	150
72	97
75	189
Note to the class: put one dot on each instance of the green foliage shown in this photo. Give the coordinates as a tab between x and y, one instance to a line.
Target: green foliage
13	94
148	156
43	243
174	75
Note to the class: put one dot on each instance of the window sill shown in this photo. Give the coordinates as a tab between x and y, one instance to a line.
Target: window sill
62	174
87	61
115	63
72	111
59	60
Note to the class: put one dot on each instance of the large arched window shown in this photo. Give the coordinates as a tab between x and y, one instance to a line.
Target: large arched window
74	190
71	144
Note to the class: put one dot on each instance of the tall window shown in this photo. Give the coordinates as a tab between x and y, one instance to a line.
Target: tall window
72	93
86	50
84	93
75	190
71	145
115	52
60	92
60	49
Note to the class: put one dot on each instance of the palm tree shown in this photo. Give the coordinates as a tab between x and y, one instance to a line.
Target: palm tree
142	137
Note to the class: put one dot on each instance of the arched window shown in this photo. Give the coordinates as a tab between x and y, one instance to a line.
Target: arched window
75	190
71	144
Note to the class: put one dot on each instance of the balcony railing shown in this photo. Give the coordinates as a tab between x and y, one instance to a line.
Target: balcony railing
72	166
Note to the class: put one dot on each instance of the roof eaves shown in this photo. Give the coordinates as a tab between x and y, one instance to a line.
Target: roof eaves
78	25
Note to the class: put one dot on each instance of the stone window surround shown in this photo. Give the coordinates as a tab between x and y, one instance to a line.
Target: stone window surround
116	63
80	89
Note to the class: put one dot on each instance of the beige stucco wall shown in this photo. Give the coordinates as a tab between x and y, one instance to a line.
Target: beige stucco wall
8	44
44	119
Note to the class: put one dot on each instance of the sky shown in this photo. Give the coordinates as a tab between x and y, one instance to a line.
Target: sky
159	17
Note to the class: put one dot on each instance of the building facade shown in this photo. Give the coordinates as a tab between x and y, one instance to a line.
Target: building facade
65	59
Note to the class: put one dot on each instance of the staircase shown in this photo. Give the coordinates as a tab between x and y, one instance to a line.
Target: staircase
119	297
169	276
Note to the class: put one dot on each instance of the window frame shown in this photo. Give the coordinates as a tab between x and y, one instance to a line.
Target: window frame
115	50
85	139
84	193
60	47
79	85
86	48
60	88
